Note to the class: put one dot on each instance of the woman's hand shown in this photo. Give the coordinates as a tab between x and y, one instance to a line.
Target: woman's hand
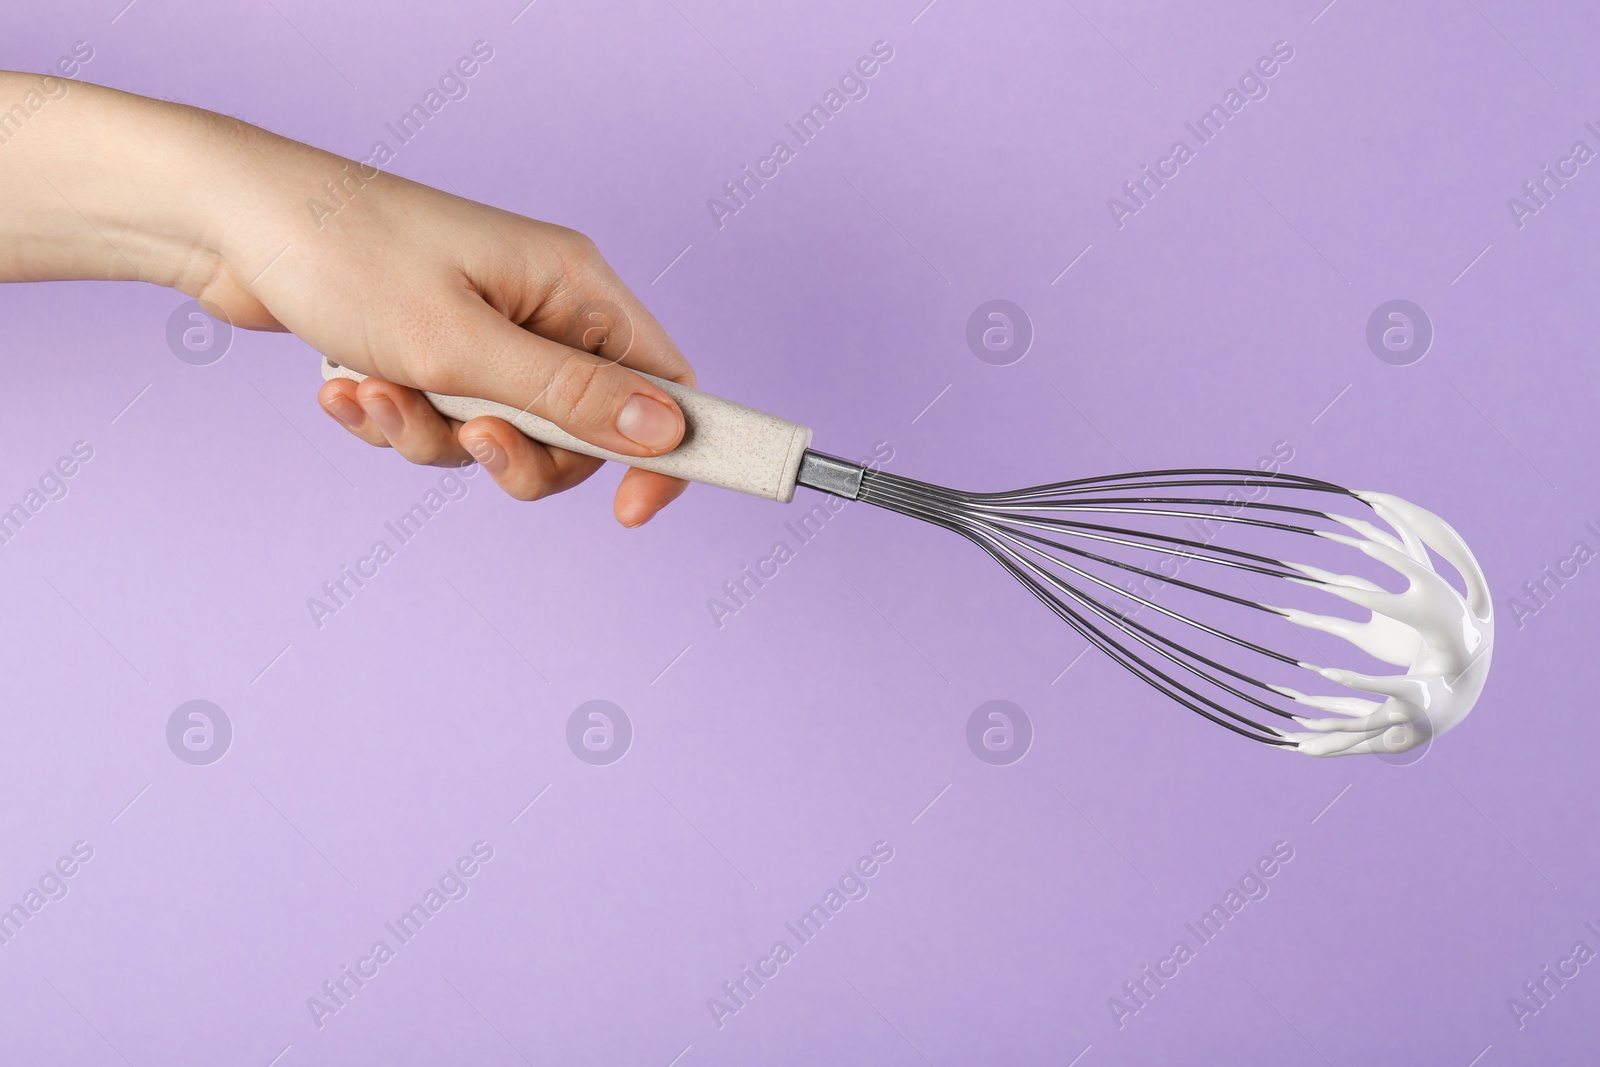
418	289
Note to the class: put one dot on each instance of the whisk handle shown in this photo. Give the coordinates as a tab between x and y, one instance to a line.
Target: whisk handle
724	444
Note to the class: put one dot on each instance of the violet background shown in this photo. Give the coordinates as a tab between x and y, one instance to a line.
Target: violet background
827	715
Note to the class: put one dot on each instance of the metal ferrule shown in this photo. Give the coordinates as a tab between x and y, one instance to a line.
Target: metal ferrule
830	474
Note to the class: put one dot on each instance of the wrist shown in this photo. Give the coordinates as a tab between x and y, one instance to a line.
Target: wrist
173	186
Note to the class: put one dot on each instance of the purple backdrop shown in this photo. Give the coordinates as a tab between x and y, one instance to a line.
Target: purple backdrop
1212	319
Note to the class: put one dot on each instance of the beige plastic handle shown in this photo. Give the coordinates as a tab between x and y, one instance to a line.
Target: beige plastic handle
724	444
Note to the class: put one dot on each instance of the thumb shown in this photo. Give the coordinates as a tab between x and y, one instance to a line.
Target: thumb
589	396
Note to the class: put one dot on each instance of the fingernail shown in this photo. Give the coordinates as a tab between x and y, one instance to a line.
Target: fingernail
385	414
488	456
346	411
648	422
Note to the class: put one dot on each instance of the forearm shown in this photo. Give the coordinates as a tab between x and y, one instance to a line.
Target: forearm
103	184
100	184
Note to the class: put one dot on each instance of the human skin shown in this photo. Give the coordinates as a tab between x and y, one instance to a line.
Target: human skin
418	289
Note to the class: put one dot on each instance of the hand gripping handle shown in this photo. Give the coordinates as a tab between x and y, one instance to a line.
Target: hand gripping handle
724	444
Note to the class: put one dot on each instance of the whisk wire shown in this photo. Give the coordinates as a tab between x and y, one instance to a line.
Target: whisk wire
1026	531
1015	564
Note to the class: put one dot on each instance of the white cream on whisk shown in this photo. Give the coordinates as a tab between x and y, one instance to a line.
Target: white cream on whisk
1444	640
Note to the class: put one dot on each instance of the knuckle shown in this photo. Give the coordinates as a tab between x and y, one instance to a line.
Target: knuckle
574	390
579	257
436	370
429	344
579	246
605	328
528	491
426	454
370	387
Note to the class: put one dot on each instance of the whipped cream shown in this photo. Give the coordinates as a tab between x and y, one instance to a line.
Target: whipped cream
1443	639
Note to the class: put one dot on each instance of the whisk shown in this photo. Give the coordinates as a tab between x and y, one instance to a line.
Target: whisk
1168	573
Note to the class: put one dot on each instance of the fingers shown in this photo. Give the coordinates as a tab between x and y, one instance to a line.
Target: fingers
562	345
587	395
338	398
560	287
528	470
643	493
384	414
525	469
593	310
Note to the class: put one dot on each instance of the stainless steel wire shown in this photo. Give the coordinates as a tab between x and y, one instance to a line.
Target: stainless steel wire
1099	552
